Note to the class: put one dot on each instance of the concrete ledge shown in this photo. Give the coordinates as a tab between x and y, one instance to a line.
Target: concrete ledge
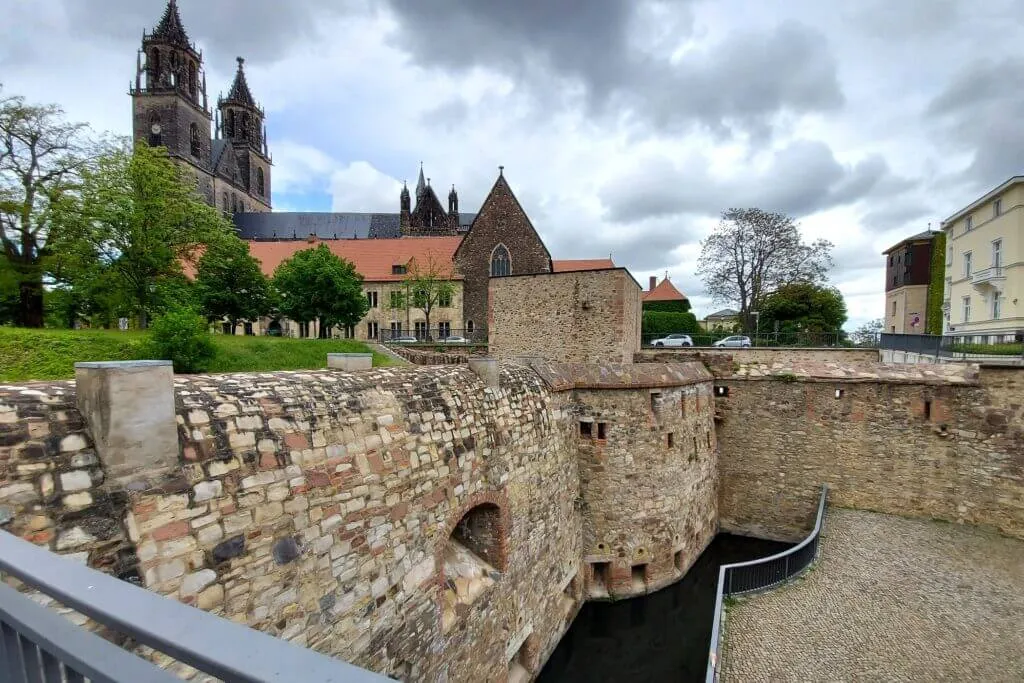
123	364
350	361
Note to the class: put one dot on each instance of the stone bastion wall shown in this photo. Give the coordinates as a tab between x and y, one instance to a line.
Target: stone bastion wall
935	441
336	509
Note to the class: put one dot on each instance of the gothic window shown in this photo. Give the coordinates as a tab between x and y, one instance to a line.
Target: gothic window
501	264
193	86
229	124
193	138
225	198
154	67
261	186
246	125
234	203
469	326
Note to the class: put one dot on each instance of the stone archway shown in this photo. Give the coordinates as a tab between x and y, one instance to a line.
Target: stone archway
472	557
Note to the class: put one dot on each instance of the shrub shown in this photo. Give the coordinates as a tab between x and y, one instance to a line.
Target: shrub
181	336
657	322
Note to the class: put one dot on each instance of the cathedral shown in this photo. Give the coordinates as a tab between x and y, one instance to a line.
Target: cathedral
228	153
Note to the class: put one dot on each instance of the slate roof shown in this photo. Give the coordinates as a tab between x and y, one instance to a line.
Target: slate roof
372	258
921	236
240	87
664	291
289	225
170	28
724	313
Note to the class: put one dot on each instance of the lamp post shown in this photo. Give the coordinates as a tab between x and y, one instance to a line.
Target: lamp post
757	324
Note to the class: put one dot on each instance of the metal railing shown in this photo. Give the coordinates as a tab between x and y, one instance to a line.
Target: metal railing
37	644
433	335
966	347
762	574
771	339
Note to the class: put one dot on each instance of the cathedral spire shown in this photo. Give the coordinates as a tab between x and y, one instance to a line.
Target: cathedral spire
240	88
421	184
170	28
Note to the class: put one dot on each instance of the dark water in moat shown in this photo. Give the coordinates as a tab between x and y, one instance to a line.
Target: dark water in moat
660	637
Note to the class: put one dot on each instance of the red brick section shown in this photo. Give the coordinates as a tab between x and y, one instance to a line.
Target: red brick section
504	526
501	220
172	530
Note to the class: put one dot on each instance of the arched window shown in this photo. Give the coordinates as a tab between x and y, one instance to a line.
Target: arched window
229	124
261	186
501	264
234	203
246	125
474	551
193	139
469	326
154	68
225	198
193	86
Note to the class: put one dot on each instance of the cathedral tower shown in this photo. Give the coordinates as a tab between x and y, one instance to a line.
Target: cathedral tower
169	103
240	125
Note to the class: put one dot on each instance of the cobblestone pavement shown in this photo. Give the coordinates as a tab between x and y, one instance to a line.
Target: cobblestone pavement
891	599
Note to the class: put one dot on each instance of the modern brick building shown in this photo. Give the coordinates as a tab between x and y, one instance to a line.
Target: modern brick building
908	272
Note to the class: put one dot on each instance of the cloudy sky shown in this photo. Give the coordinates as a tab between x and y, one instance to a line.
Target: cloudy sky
625	126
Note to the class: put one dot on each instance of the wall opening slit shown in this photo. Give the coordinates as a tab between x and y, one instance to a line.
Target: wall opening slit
639	576
927	410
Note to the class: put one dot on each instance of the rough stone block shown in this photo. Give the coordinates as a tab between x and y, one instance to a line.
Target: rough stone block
229	549
78	480
129	409
350	361
487	370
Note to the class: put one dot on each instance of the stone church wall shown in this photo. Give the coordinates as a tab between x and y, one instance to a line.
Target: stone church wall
584	316
945	446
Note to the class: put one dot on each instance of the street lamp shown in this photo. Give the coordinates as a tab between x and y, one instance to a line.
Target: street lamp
757	324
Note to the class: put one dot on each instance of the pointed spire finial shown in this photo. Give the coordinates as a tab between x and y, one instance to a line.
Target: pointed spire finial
501	171
241	61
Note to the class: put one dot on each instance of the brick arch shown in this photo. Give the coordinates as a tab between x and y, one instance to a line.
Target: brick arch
491	498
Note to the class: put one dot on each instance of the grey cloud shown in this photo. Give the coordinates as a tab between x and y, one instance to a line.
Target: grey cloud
979	111
803	178
644	245
743	81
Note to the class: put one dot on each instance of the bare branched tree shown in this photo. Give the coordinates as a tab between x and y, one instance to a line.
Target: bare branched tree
41	158
752	253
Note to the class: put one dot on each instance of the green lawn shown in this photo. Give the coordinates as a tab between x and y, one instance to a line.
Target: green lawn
52	354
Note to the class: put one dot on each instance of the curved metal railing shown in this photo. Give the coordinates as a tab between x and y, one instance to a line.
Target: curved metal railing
763	574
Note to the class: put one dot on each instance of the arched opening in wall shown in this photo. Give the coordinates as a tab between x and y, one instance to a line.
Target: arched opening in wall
474	554
193	140
261	184
501	262
246	125
153	64
193	85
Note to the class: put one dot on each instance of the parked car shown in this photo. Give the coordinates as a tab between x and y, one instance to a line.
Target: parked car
735	341
455	339
404	339
673	340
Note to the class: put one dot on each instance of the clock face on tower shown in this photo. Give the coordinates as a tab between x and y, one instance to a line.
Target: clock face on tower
156	129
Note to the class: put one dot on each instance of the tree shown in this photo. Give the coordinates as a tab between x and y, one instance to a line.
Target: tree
805	310
935	316
230	283
314	284
867	334
753	252
429	283
41	158
141	215
665	322
677	306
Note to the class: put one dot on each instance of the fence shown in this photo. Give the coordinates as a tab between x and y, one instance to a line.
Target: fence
435	333
762	574
37	644
949	347
780	339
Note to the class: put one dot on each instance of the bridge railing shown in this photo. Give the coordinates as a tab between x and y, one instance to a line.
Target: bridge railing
762	574
37	644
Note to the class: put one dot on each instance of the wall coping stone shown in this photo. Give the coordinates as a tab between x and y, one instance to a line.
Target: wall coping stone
835	372
568	376
350	355
121	364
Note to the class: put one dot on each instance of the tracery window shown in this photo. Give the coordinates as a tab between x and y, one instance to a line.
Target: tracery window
501	264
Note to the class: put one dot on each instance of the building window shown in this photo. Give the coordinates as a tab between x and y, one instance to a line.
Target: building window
469	326
967	264
967	309
261	183
396	330
444	299
968	223
949	257
996	305
586	429
155	132
670	439
444	330
601	431
372	330
997	253
193	140
371	297
997	208
421	330
398	269
501	264
396	299
894	308
224	197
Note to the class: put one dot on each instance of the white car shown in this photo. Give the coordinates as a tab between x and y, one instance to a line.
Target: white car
673	340
455	339
735	341
404	339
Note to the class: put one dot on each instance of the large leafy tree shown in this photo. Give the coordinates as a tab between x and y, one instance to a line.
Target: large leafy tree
867	334
230	283
804	309
314	284
41	159
753	252
429	284
141	216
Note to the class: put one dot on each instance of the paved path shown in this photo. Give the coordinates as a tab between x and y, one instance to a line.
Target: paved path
891	599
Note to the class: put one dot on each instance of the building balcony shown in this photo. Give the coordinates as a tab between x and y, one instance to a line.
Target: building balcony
946	305
994	277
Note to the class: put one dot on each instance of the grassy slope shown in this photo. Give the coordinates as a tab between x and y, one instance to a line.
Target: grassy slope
51	354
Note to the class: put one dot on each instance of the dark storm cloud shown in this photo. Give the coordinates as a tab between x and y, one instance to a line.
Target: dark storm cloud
262	30
979	110
801	179
742	81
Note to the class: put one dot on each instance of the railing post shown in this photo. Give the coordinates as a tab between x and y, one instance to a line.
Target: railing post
787	567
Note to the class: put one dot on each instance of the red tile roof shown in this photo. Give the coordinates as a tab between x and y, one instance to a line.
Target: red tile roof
373	258
568	265
665	291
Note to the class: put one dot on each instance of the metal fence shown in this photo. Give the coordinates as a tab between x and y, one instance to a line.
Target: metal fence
433	335
37	644
949	347
762	574
780	339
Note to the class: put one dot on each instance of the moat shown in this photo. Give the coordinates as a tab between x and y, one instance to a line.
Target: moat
664	636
